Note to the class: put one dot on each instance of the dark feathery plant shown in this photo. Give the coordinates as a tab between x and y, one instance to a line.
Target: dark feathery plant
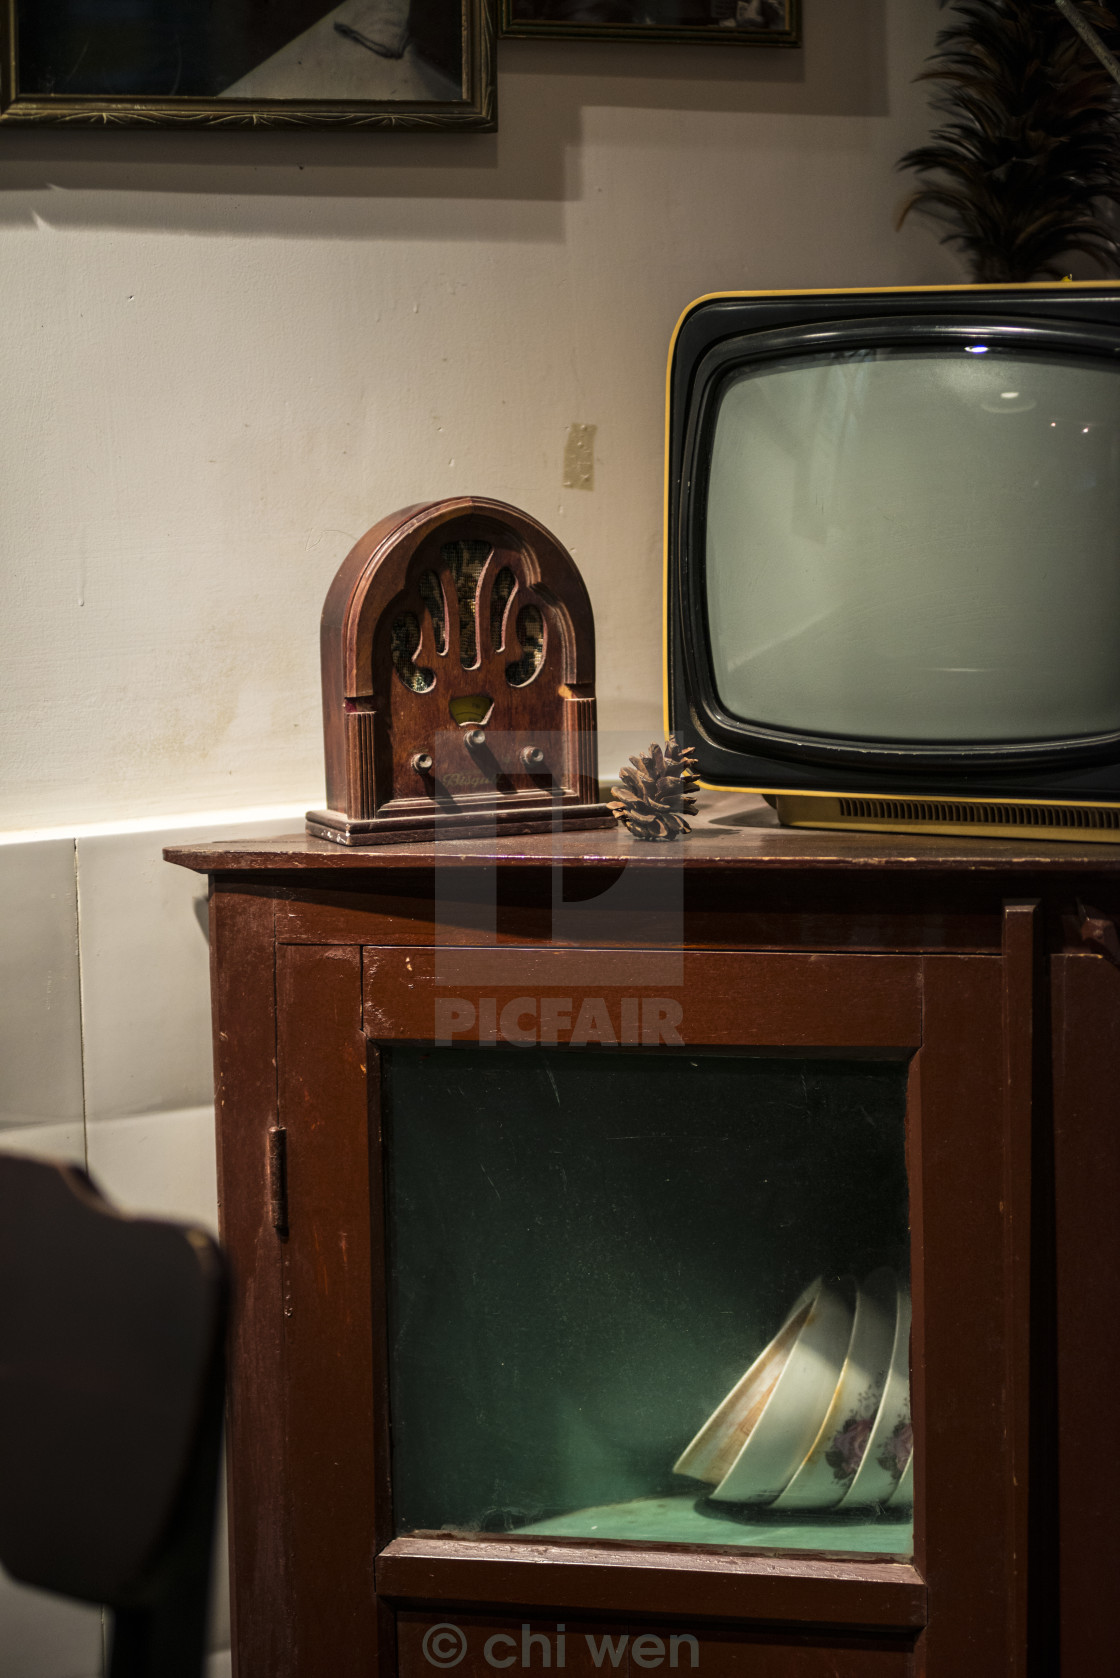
1030	151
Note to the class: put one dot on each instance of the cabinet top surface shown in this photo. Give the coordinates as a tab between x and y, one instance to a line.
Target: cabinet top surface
732	831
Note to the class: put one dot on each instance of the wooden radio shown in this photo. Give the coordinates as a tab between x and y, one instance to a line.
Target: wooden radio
458	657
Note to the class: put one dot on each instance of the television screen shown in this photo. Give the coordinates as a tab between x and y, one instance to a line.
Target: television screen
916	544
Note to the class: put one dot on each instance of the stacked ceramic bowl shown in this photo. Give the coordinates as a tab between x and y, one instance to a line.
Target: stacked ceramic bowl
821	1419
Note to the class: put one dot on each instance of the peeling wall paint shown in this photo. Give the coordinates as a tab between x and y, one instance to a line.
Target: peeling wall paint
227	355
579	457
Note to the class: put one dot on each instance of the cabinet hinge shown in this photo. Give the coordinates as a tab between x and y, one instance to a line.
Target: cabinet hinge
278	1178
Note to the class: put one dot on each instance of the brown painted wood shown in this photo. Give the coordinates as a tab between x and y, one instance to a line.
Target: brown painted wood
643	997
735	832
537	1645
627	909
783	939
244	1009
401	763
966	1345
332	1471
1020	933
379	1316
701	1584
1086	1047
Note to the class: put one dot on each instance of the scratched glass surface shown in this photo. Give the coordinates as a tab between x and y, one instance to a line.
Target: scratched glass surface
590	1249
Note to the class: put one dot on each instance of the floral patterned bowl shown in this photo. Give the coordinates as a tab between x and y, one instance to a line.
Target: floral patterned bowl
903	1495
762	1431
890	1443
839	1448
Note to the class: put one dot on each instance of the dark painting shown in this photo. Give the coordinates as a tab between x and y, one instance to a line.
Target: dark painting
304	52
206	49
747	22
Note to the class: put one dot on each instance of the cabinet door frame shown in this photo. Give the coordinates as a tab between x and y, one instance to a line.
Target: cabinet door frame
967	1021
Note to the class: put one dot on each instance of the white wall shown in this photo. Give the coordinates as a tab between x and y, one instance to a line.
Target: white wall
227	355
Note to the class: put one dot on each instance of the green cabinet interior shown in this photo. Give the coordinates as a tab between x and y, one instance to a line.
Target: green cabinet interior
587	1249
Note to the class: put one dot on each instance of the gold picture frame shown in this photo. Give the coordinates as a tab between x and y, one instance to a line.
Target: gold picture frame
401	64
743	23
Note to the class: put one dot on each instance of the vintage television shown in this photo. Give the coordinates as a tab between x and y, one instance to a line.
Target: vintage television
893	555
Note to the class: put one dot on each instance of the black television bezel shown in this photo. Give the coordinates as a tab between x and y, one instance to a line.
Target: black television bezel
718	335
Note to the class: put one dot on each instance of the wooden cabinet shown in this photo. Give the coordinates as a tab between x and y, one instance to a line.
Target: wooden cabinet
969	988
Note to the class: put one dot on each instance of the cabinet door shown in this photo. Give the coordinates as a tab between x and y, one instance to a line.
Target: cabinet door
539	1228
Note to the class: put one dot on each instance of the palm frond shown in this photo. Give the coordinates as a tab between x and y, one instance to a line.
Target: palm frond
1029	151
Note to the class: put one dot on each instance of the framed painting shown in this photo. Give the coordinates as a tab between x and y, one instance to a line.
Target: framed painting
249	63
744	23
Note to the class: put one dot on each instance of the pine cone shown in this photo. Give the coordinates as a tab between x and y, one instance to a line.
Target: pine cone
657	792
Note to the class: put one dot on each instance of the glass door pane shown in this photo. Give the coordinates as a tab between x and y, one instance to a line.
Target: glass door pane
650	1296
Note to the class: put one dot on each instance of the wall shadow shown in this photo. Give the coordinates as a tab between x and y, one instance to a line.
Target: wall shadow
285	183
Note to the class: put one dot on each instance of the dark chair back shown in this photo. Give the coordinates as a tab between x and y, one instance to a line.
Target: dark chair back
111	1382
